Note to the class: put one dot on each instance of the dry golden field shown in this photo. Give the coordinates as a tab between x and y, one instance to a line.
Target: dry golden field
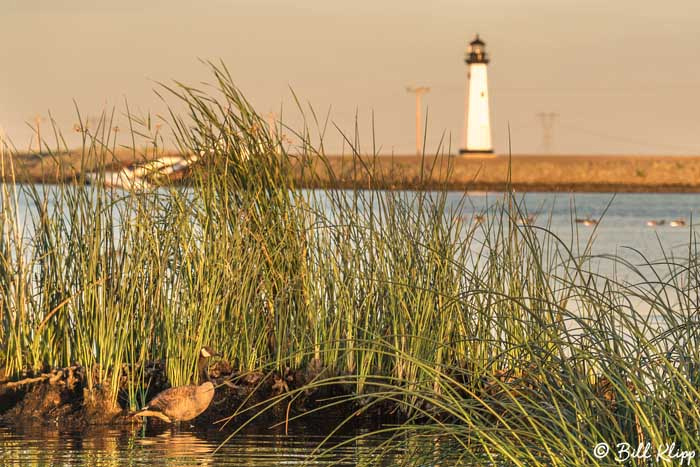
592	173
64	166
527	173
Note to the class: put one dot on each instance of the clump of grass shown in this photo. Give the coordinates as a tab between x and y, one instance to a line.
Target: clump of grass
556	358
499	339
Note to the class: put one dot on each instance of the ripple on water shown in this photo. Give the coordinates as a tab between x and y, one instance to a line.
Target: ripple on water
172	446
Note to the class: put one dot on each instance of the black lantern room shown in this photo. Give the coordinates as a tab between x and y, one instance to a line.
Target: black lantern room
476	53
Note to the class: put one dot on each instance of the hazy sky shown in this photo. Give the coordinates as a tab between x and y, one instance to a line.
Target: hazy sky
623	75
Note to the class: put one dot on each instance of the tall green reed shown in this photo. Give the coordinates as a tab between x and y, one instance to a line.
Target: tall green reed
496	335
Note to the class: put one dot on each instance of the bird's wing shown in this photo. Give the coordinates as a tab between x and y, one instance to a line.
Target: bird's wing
166	398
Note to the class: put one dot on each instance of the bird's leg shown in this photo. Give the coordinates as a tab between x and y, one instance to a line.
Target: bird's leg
153	413
229	384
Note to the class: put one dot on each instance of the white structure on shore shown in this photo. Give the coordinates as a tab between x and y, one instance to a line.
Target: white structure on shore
136	177
477	120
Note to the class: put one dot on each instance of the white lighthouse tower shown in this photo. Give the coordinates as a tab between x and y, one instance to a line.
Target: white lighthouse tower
477	121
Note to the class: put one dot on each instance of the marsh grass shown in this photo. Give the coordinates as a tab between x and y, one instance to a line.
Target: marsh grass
499	340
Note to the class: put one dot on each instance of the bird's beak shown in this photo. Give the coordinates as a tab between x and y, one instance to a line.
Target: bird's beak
207	354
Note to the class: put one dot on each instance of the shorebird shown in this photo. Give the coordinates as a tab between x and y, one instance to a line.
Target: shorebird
183	403
677	223
586	221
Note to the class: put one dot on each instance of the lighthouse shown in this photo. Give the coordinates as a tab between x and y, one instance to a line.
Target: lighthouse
477	121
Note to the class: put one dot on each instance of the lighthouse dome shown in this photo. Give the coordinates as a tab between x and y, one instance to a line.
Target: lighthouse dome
476	52
477	41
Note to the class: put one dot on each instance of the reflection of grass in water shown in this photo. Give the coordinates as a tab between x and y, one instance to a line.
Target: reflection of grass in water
468	330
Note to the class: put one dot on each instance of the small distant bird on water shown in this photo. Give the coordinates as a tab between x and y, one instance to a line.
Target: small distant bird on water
677	223
654	223
587	221
183	403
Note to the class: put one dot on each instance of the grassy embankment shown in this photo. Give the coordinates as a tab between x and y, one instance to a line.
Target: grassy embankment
497	338
527	173
592	173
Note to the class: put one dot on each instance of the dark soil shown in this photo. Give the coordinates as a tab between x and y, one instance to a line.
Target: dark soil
63	399
58	398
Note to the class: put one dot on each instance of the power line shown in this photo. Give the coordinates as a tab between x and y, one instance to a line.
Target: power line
624	139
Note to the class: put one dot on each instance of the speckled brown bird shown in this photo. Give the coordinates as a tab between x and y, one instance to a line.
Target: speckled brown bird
183	403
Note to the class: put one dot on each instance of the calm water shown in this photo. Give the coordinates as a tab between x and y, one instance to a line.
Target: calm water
622	229
622	226
183	446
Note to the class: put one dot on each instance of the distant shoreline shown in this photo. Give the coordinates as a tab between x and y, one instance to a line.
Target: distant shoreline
581	173
535	173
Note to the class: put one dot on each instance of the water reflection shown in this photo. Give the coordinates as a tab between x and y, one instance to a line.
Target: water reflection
175	447
187	446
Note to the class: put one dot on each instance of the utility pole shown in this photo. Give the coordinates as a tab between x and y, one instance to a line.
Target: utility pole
37	122
418	91
547	119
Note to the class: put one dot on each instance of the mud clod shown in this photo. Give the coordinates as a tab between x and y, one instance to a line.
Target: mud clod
63	398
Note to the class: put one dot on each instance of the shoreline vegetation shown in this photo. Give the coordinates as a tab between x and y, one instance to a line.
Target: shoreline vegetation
522	173
483	340
534	173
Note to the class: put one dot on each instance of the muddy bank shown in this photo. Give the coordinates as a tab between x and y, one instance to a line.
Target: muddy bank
62	398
